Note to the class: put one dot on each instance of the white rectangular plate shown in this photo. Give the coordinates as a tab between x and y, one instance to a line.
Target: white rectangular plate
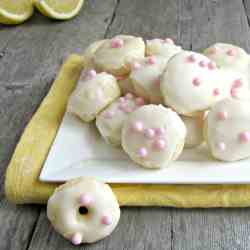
79	150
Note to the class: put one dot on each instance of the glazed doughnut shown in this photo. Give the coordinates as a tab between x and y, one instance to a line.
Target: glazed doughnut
194	126
162	47
115	55
153	136
227	130
92	94
110	121
191	84
145	76
83	210
230	57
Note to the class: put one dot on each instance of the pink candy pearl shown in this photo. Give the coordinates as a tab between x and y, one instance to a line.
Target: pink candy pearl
231	52
191	59
151	60
139	101
202	64
127	109
168	40
196	82
142	152
234	92
222	146
244	137
117	43
237	83
159	144
122	99
129	96
137	126
109	114
211	65
136	65
222	115
91	73
76	239
85	200
149	133
216	92
159	131
106	220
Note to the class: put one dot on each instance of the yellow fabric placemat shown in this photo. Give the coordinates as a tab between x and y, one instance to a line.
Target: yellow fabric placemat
22	184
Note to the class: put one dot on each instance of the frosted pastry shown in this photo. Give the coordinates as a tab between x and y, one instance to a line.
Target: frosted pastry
93	93
227	130
146	76
115	55
162	47
126	85
110	121
194	126
229	56
83	210
190	83
153	136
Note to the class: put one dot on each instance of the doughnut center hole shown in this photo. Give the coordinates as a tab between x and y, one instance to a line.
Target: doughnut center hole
83	210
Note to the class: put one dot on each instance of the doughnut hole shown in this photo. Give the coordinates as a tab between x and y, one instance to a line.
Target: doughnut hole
83	210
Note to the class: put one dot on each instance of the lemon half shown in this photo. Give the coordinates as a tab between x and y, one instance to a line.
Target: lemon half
59	9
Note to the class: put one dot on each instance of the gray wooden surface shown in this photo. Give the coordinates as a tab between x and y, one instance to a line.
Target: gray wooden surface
30	56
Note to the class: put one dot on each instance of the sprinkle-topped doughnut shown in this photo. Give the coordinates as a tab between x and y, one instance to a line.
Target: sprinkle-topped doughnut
153	135
116	55
110	121
92	94
227	130
162	47
146	79
188	85
83	210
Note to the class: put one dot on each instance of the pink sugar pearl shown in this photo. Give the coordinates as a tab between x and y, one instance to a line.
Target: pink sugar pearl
216	92
136	65
222	115
109	114
117	43
76	239
202	64
129	96
151	60
168	40
231	52
91	73
211	65
234	92
244	137
106	220
85	200
159	144
122	105
221	146
127	109
122	99
139	101
137	126
237	83
149	133
191	59
159	131
196	82
142	152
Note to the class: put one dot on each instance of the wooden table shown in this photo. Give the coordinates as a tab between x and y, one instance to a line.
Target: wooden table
30	56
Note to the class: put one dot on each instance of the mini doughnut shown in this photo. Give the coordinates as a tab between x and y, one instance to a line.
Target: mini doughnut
92	94
162	47
146	75
194	126
89	54
126	85
115	55
227	130
191	84
229	56
83	210
153	136
110	121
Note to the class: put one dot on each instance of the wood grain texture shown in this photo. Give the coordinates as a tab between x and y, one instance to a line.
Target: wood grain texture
31	54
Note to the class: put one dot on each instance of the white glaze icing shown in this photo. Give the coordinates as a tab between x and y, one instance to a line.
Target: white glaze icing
117	60
92	94
162	47
190	83
146	78
226	122
110	121
153	136
102	215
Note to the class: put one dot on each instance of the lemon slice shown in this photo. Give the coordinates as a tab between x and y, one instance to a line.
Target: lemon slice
15	12
59	9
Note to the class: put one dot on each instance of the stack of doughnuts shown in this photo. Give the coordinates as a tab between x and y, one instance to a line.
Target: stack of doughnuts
152	99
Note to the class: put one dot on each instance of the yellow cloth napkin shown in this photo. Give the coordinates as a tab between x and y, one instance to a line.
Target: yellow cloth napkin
22	184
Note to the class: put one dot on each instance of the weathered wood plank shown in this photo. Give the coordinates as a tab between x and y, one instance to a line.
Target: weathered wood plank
133	232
